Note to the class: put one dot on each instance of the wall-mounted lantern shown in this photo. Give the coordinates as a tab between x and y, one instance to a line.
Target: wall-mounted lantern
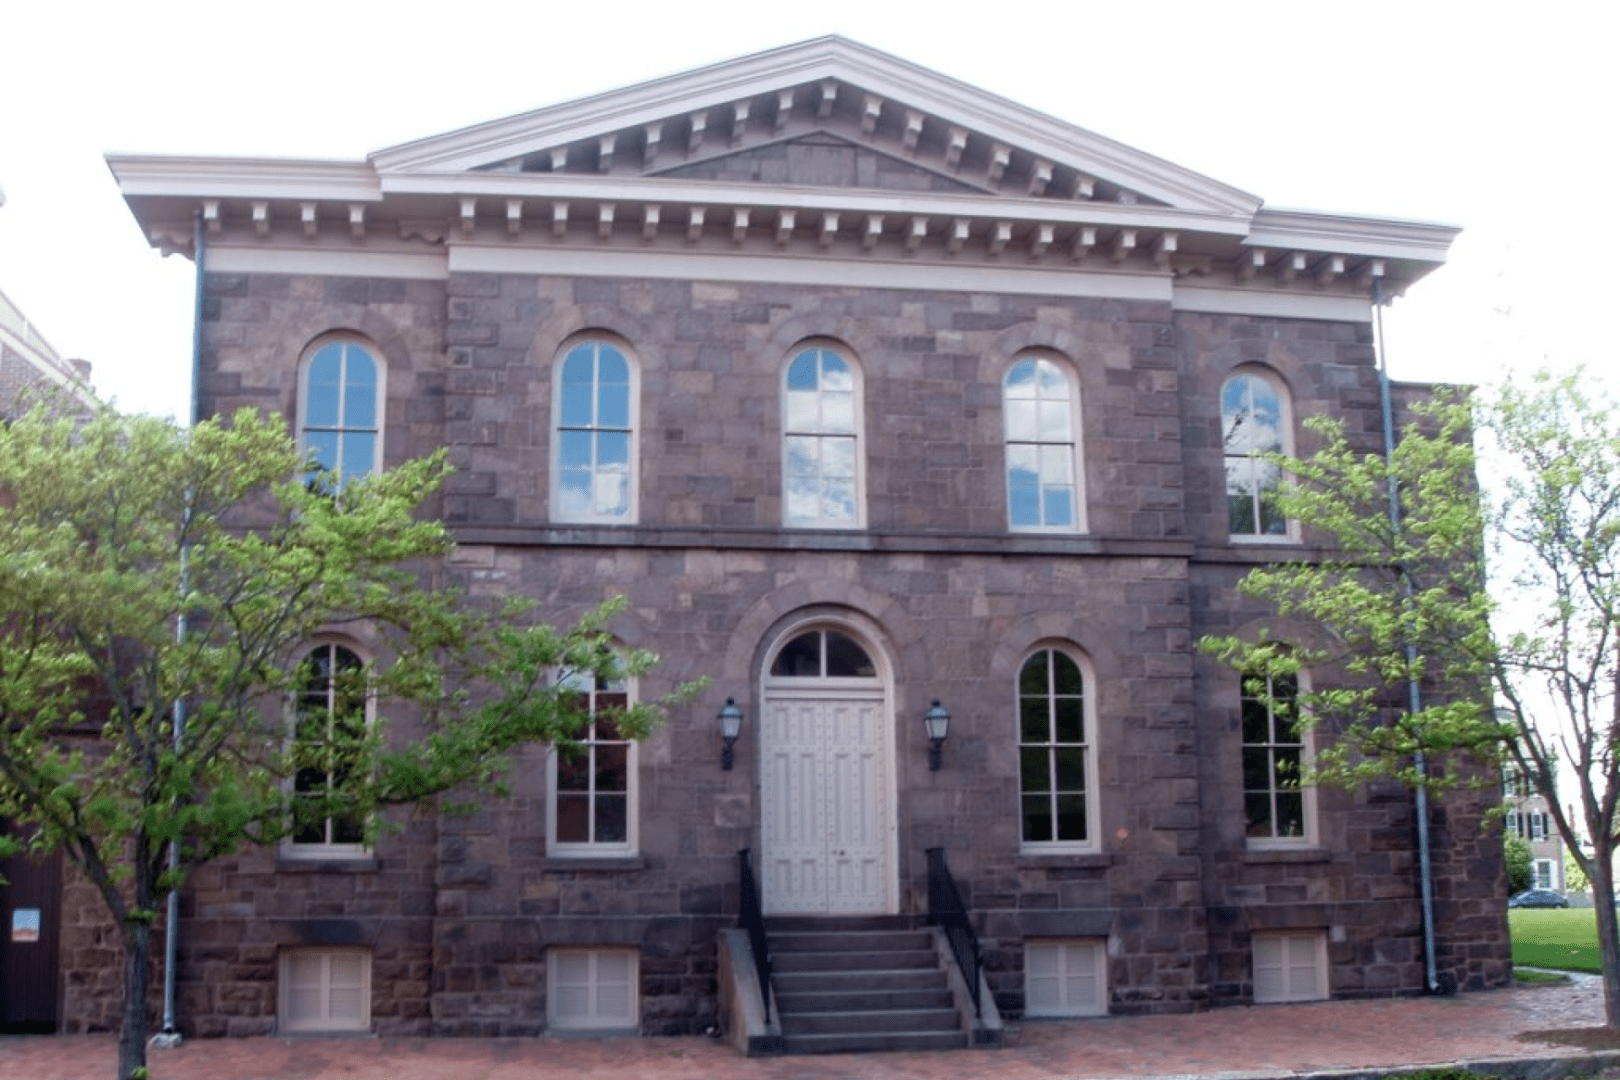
730	724
938	722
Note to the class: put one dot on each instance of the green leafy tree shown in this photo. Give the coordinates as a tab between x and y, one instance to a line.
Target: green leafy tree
156	585
1404	599
1516	856
1574	877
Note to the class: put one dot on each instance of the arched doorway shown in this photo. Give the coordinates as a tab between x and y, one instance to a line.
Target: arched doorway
827	777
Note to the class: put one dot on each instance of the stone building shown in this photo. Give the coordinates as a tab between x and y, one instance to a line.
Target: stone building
870	391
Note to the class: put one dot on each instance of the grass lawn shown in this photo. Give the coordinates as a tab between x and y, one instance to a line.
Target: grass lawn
1563	938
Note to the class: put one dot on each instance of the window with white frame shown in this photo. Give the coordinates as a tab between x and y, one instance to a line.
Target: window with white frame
331	715
1538	824
592	989
1290	967
1514	823
592	809
1254	421
1544	873
1277	806
1066	977
340	412
324	990
1056	754
822	463
1043	475
595	455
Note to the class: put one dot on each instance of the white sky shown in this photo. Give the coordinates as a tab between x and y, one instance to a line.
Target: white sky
1492	116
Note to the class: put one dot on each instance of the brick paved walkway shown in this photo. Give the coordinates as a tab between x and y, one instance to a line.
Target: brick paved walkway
1243	1041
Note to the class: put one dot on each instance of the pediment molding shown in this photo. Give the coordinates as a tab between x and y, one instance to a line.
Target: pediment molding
827	84
972	180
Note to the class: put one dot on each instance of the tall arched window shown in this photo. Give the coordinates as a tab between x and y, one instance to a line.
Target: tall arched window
340	412
1277	806
330	720
594	457
1254	421
1056	754
821	436
592	811
1043	487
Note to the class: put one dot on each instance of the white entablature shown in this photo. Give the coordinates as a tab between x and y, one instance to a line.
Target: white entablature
822	150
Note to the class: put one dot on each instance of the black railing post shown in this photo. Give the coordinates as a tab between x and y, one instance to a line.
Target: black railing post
946	911
751	917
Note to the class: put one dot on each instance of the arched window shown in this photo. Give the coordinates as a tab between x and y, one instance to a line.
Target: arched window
595	455
329	723
1254	421
821	436
592	810
1043	486
340	412
823	654
1277	807
1056	754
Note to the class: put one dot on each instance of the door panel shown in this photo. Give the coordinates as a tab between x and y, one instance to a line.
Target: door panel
828	805
29	939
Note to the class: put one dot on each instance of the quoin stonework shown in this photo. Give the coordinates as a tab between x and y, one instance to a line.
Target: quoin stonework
869	390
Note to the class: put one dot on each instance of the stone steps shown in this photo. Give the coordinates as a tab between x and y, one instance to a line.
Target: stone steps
861	985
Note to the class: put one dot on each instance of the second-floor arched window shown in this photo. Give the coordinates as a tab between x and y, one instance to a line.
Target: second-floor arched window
821	442
1043	483
1254	421
594	455
340	411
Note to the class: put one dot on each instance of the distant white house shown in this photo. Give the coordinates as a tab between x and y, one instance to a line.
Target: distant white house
1529	816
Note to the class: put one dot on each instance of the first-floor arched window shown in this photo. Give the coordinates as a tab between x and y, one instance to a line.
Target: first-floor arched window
592	809
1056	747
1276	803
329	724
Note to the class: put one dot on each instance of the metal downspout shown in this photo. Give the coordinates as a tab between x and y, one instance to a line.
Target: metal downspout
1414	693
171	937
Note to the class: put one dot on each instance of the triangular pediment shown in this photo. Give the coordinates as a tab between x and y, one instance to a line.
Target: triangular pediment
820	159
823	113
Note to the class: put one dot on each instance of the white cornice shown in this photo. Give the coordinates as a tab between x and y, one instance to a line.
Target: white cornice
796	65
874	273
1388	238
193	176
943	205
1221	300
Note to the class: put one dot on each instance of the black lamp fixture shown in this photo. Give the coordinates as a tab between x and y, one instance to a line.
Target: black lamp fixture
937	720
730	725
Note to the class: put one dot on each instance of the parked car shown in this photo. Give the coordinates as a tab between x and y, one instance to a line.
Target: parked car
1538	898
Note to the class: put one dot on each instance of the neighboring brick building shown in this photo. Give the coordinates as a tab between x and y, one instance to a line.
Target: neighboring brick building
868	389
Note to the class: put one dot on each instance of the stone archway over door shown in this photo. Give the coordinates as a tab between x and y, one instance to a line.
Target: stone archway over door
827	792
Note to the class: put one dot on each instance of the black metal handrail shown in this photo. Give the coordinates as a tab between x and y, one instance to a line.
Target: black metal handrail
946	911
751	917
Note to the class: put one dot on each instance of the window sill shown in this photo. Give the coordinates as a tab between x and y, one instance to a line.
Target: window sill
1310	854
290	863
607	864
1099	860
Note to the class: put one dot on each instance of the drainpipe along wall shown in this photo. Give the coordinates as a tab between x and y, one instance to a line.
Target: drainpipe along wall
170	1034
1413	691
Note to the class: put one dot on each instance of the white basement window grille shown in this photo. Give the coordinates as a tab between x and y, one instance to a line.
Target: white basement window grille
1066	978
1290	967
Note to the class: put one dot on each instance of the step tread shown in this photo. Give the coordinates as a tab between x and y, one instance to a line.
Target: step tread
893	1041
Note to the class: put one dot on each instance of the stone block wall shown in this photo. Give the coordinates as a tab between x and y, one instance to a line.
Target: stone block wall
459	913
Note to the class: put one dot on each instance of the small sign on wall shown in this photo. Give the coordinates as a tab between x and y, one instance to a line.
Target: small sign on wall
25	924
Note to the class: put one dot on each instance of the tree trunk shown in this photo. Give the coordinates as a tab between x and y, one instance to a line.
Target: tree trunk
1608	928
137	976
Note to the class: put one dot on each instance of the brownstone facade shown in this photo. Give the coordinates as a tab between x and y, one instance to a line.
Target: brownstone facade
460	918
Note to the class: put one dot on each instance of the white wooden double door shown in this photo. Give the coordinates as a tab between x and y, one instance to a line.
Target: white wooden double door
827	798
